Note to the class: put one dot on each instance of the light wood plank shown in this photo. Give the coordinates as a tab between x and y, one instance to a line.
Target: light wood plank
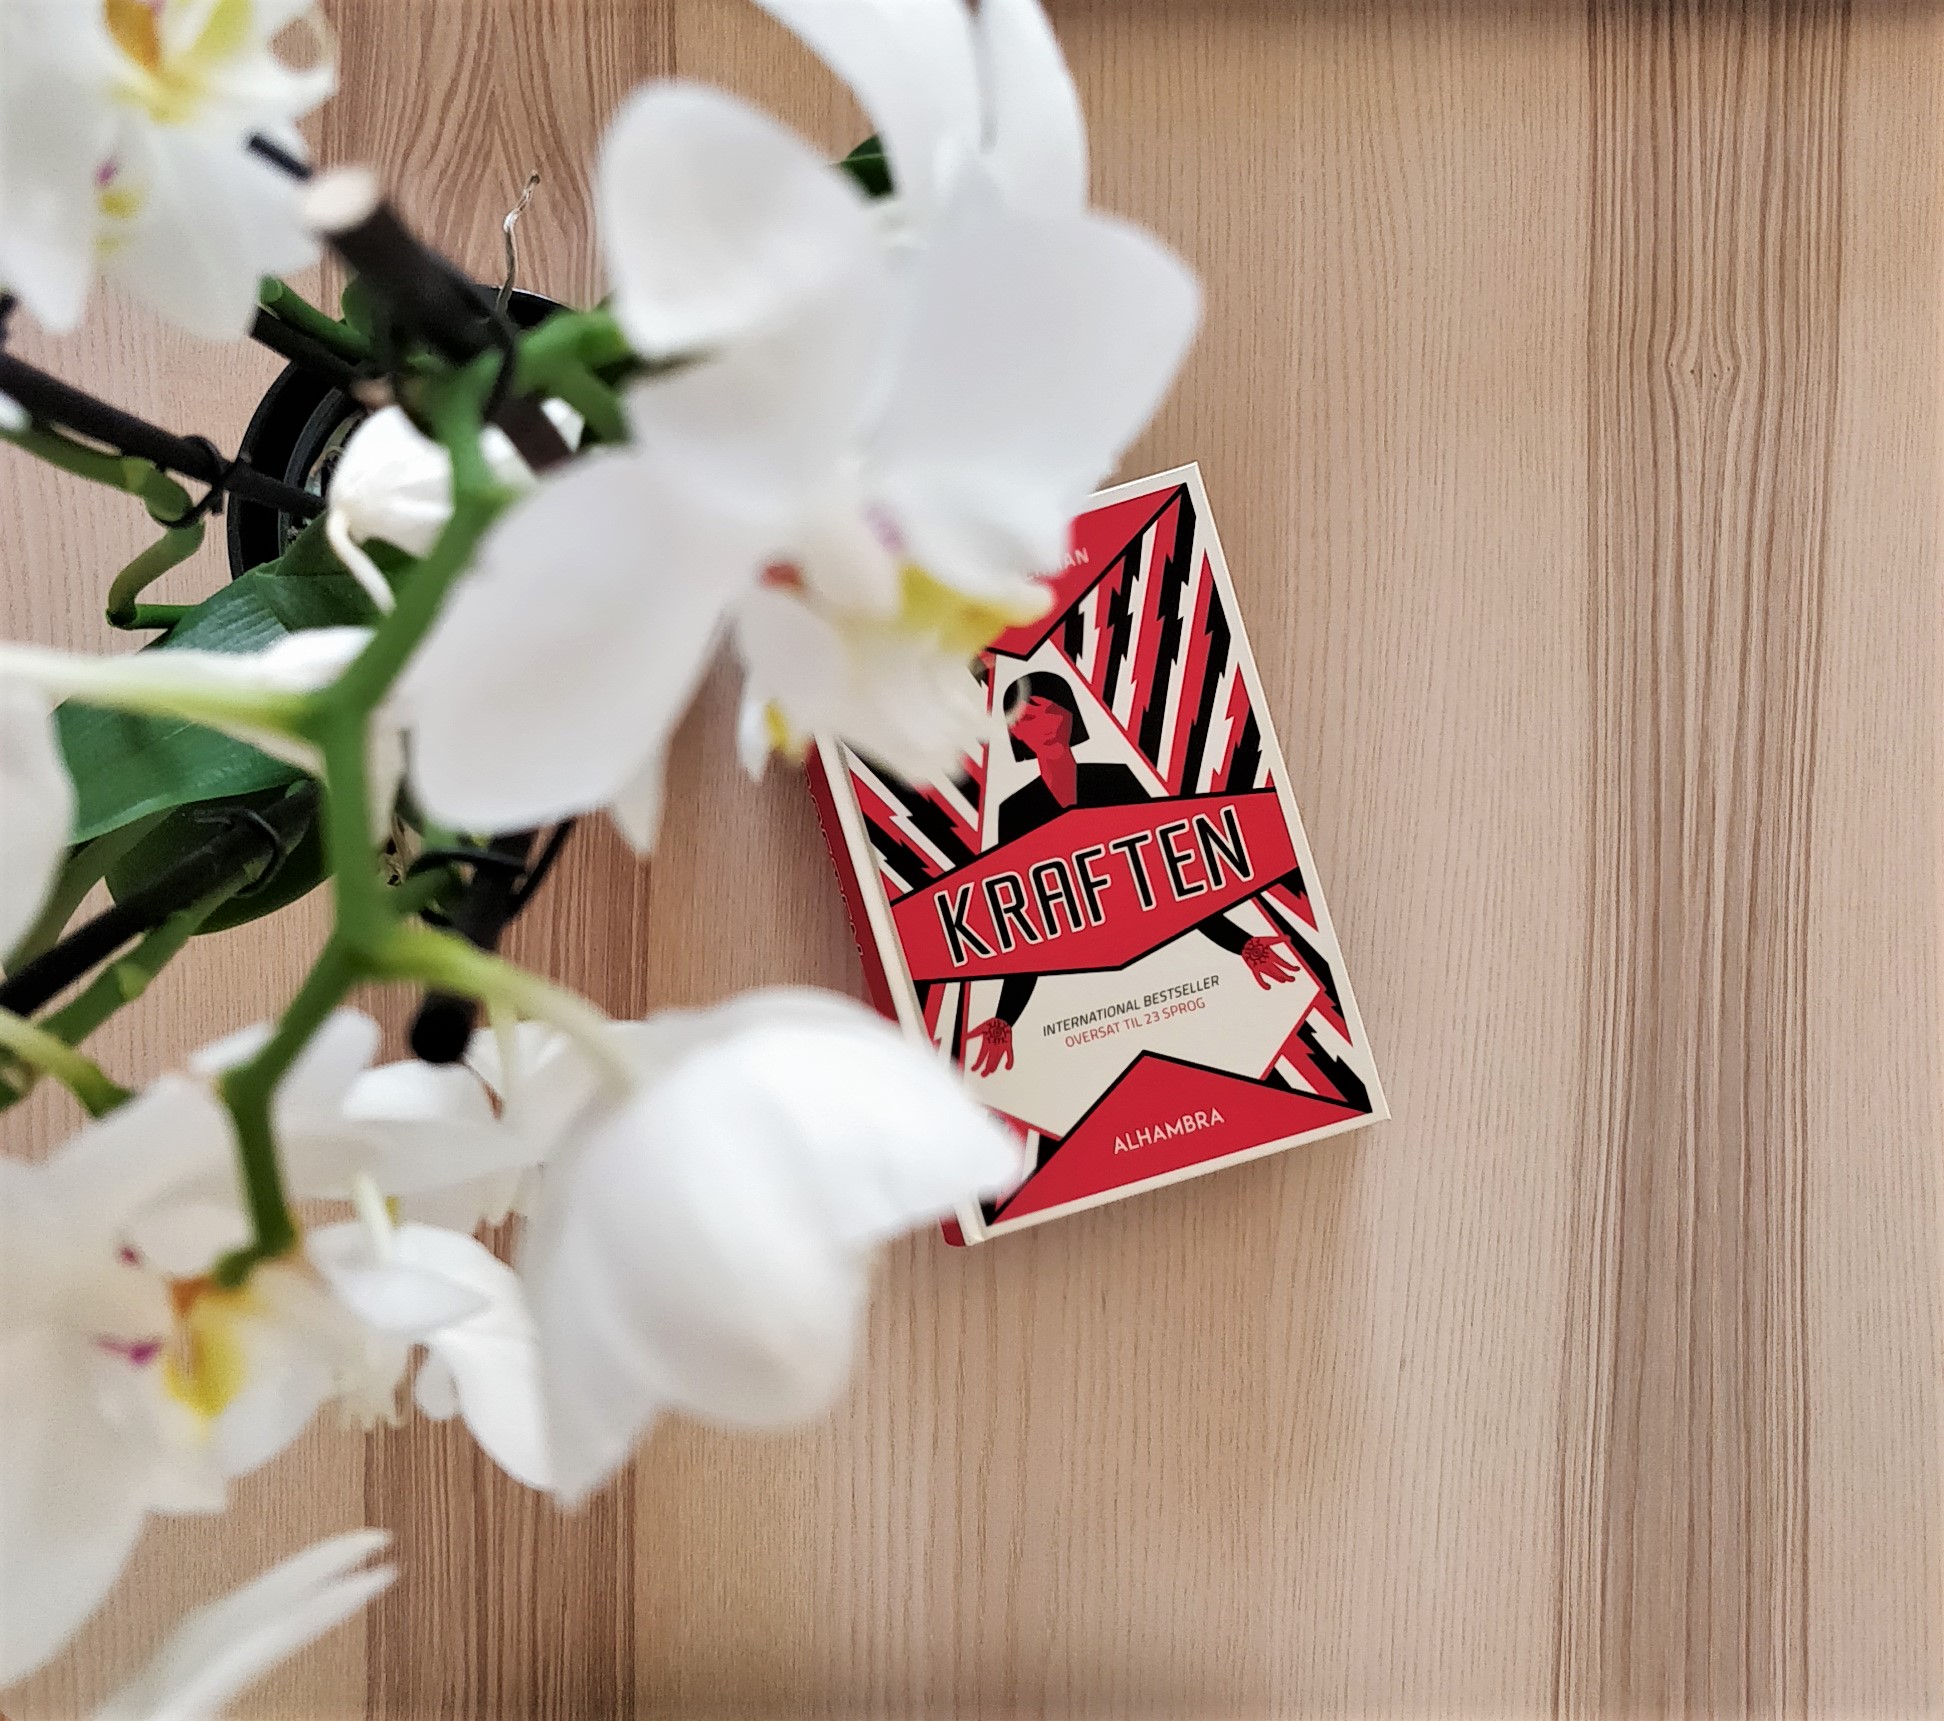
506	1606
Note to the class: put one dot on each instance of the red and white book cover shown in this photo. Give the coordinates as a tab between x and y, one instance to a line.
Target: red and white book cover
1110	919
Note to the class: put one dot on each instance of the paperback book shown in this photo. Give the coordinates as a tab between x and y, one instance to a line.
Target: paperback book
1110	918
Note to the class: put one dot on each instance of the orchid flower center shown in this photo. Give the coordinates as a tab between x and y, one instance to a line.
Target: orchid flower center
961	624
206	1360
170	79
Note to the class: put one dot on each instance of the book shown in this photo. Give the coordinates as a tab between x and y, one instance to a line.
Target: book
1109	919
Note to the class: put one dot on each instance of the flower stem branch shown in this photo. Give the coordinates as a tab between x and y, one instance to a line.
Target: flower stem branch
41	1051
166	500
367	938
291	308
176	545
126	979
249	1090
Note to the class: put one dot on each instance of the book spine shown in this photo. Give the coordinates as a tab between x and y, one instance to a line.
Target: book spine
876	982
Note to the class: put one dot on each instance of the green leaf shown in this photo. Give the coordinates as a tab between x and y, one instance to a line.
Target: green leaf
868	165
125	767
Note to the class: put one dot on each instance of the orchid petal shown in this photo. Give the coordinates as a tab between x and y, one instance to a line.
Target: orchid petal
602	593
72	1501
220	1650
435	1391
294	1348
336	1056
54	135
490	1355
708	1246
1036	352
718	220
170	1138
186	1237
894	695
214	221
637	806
881	1134
912	66
763	423
394	1296
392	482
1036	135
38	800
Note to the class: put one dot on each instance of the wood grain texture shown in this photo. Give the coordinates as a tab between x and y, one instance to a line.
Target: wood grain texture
1570	404
1713	357
515	1608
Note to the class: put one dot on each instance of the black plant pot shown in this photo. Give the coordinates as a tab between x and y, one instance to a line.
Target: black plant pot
296	433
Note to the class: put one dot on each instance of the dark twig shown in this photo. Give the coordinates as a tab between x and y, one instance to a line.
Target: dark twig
293	344
51	401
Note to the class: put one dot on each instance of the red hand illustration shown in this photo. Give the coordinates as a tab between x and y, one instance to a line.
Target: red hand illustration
994	1035
1264	962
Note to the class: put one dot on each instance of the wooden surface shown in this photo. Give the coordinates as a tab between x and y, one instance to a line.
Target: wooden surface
1570	405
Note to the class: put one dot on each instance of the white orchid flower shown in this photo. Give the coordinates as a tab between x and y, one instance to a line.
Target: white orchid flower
427	1139
91	1351
705	1243
415	1284
219	1651
394	483
131	1381
124	133
891	446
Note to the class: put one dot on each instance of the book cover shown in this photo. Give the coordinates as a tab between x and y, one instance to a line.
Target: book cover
1110	919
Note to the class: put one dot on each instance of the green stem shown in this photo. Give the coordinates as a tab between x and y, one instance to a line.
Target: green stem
176	545
128	977
39	1050
350	849
145	616
288	305
75	458
337	721
249	1090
